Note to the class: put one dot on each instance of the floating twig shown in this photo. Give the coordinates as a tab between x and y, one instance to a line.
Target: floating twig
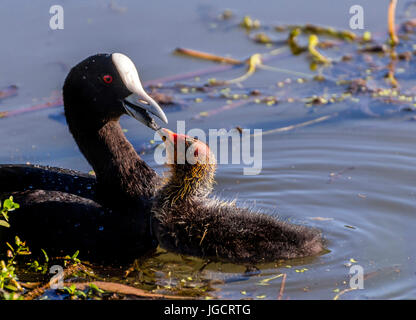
254	61
391	74
222	109
299	125
50	104
391	23
207	56
290	72
58	102
190	75
126	290
282	287
8	92
344	291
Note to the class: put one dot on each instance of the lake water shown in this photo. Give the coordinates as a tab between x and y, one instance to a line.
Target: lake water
352	176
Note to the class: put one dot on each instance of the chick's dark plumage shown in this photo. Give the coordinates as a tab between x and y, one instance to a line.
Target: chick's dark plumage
188	221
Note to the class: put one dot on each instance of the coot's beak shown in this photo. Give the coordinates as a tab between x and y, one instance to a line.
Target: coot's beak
139	104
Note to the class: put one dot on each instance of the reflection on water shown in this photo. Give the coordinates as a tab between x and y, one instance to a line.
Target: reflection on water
352	177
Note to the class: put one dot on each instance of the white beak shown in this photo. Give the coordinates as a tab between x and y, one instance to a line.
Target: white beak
139	102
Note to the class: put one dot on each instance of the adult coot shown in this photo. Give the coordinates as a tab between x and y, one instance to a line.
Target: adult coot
107	217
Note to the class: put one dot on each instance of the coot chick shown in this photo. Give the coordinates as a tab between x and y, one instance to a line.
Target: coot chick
106	218
186	220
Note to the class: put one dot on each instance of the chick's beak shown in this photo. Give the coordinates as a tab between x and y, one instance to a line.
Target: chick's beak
168	137
170	140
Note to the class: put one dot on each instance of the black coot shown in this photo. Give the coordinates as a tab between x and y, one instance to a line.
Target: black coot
107	217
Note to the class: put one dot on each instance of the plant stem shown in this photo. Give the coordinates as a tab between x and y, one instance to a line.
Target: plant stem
207	56
391	24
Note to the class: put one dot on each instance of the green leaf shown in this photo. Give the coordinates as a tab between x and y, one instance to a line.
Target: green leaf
266	281
8	204
17	241
4	223
5	215
95	288
10	287
46	256
10	246
75	255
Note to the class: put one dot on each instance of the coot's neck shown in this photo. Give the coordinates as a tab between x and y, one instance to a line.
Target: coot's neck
121	174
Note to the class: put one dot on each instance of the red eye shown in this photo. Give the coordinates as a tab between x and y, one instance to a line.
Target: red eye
108	79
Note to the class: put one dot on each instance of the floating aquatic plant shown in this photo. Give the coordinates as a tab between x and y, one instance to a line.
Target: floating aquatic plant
394	40
316	55
248	23
253	62
262	38
320	30
292	41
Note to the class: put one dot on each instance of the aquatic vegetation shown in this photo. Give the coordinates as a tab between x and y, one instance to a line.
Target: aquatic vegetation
8	206
359	49
226	14
9	91
319	30
365	43
316	55
292	41
9	284
253	62
394	40
248	23
12	288
37	267
367	36
262	38
72	259
73	292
